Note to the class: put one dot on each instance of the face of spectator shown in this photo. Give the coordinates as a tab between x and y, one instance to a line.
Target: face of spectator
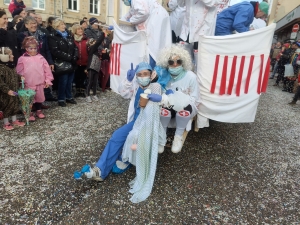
23	14
95	26
259	14
278	44
84	25
31	26
3	21
19	0
61	27
39	19
85	19
79	32
31	50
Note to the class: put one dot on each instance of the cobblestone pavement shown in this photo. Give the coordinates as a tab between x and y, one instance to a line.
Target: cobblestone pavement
225	174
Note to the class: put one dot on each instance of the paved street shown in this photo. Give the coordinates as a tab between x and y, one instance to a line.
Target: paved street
225	174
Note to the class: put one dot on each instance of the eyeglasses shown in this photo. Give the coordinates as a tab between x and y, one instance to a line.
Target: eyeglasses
171	62
31	49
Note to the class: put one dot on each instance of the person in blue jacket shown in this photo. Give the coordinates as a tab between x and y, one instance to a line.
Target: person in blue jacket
239	17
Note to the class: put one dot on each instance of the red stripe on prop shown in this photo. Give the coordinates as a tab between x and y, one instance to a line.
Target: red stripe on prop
266	77
214	81
260	73
111	70
232	76
249	74
239	81
224	77
119	59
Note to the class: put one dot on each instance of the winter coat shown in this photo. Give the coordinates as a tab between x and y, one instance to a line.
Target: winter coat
237	17
8	38
94	53
42	39
285	57
35	69
62	49
199	19
9	80
82	51
92	33
13	5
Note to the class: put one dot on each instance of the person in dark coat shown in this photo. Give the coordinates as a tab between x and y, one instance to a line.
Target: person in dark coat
93	30
8	37
63	49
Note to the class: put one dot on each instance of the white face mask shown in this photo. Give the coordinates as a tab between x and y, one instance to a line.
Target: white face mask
143	81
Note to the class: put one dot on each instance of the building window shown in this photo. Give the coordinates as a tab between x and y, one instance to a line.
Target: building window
73	4
6	2
38	4
94	6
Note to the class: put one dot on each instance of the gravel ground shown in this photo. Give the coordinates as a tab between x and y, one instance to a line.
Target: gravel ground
225	174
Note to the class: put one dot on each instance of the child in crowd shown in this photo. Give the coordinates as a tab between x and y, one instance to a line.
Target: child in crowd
37	73
9	84
93	67
16	4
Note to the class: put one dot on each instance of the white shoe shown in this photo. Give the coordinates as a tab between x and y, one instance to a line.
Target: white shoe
96	174
95	98
161	149
177	144
88	99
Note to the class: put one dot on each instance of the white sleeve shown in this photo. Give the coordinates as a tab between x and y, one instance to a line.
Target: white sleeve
181	3
140	11
126	88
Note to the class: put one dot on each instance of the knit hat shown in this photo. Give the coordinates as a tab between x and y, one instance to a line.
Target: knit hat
93	20
143	66
264	7
29	9
16	12
29	41
287	45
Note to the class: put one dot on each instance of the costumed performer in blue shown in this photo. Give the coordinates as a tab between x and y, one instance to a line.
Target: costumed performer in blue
138	80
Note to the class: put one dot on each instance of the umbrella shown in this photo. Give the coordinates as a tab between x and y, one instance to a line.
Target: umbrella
105	73
26	97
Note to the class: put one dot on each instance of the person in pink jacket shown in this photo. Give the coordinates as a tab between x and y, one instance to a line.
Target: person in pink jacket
37	73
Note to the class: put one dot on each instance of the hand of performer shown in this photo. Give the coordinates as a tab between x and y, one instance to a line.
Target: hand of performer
154	97
131	72
11	93
52	67
46	85
169	91
22	78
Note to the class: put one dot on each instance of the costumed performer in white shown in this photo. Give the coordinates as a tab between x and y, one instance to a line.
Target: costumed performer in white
181	99
176	18
150	16
200	19
136	82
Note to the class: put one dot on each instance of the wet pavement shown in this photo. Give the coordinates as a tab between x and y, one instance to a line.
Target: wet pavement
225	174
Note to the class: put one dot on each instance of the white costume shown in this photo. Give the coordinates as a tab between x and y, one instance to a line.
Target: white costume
200	18
176	16
189	86
150	16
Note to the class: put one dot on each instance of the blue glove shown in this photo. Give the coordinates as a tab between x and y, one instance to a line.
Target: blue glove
131	72
154	97
110	27
169	91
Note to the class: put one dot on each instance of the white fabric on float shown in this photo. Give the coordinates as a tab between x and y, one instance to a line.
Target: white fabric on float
231	108
128	47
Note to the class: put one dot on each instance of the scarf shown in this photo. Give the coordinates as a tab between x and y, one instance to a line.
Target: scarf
63	34
77	37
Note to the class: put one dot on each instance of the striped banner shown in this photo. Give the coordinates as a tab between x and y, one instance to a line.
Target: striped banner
237	74
114	68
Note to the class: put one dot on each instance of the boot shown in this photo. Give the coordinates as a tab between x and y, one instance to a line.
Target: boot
292	102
